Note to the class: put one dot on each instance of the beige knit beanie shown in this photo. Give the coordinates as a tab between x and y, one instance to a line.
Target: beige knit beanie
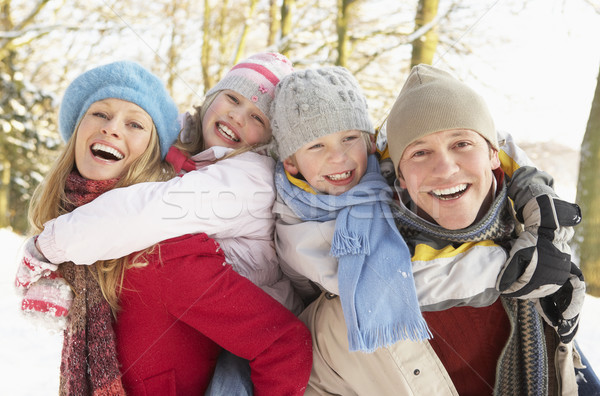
432	100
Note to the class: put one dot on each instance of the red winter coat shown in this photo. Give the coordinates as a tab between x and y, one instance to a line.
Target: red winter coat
177	313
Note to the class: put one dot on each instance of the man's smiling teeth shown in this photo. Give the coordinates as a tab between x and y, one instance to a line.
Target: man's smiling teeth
449	193
102	150
227	132
340	176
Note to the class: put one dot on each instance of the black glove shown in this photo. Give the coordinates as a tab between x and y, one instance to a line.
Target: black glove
539	261
561	309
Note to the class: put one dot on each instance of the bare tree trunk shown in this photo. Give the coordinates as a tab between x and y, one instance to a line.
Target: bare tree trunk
172	53
273	22
424	47
588	197
4	186
223	37
242	42
342	31
5	195
287	8
6	25
205	59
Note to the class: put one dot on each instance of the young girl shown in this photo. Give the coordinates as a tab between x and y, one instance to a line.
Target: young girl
228	195
175	303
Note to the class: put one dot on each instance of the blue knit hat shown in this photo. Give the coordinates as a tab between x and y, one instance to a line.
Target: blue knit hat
123	80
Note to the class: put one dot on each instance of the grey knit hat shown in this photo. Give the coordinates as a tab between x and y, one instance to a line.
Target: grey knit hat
255	78
313	103
432	100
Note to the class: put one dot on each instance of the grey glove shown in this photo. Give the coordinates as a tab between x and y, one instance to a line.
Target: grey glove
387	171
539	262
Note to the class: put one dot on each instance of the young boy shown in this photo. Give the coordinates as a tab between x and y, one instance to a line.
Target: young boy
455	216
329	182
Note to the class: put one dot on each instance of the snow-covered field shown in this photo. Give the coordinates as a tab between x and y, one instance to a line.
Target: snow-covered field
30	356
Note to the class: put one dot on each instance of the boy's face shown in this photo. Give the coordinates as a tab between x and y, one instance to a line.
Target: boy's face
332	164
111	135
235	122
449	176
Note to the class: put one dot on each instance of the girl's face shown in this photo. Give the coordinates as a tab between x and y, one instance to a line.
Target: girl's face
233	121
111	135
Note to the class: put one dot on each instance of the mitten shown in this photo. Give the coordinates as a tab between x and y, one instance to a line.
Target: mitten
47	297
387	171
539	261
188	127
33	266
562	308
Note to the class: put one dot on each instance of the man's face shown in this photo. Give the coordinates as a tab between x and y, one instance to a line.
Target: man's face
332	164
448	175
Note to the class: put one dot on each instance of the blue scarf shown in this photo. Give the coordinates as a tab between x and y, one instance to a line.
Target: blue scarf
377	289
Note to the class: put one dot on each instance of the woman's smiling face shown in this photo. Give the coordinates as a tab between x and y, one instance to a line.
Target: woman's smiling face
111	135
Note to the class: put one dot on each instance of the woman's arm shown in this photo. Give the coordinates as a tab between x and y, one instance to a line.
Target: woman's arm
230	198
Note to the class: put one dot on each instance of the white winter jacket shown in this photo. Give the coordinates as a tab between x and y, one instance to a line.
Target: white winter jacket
443	278
230	200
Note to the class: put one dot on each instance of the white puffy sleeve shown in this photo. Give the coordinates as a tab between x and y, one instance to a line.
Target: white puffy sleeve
227	199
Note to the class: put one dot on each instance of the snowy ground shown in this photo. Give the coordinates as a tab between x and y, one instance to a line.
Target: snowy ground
31	356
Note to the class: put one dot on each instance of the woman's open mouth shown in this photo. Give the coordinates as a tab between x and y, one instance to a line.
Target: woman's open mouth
106	152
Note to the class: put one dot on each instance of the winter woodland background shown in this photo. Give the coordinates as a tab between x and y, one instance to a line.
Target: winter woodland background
534	61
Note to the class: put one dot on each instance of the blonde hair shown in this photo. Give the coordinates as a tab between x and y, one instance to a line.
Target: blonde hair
368	138
50	201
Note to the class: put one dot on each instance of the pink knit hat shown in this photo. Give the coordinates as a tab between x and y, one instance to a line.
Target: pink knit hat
256	78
